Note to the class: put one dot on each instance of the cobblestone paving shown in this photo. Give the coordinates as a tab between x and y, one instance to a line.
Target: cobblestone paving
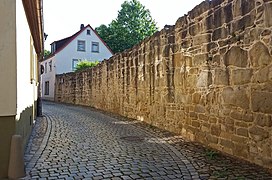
73	142
36	138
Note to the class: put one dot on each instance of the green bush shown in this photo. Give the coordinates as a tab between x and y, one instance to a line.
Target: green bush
85	64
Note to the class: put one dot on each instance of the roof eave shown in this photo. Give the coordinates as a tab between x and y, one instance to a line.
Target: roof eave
34	15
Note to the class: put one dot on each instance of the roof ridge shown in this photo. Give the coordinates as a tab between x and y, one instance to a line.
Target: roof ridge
71	38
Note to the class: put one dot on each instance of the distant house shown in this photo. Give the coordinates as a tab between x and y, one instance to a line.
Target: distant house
66	53
21	47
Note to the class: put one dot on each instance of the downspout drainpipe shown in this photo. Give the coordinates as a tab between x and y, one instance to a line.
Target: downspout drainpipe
40	58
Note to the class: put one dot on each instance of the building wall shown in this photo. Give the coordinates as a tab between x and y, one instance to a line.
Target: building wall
7	58
27	78
7	80
48	76
64	58
207	78
18	82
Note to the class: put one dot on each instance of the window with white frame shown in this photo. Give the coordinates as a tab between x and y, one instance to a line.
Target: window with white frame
46	88
95	47
81	45
74	64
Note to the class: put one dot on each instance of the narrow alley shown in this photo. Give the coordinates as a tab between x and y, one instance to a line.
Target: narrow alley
72	142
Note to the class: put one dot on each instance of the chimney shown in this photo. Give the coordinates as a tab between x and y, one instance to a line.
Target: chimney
81	26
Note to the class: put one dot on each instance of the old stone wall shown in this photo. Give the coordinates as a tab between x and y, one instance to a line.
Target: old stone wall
208	78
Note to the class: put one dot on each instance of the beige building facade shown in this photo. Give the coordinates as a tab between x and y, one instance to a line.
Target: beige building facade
21	47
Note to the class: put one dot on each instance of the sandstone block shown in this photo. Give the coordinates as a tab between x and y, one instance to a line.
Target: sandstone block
239	139
266	32
213	120
258	133
183	98
215	130
268	10
208	23
204	79
241	124
166	51
196	124
266	150
248	117
228	13
203	117
212	139
226	143
191	81
199	59
193	115
236	57
242	132
194	29
237	8
218	18
261	101
220	33
236	115
259	55
241	76
193	71
221	77
200	39
261	75
237	97
263	120
178	60
200	109
241	150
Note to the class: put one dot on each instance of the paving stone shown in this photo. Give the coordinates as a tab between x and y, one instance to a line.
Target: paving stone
73	142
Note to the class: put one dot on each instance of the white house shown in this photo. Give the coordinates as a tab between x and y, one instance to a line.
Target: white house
66	53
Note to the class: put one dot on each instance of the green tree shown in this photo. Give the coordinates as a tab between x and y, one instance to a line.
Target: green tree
85	64
133	24
46	53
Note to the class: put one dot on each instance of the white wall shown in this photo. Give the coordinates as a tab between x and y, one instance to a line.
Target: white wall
64	58
7	58
26	90
49	76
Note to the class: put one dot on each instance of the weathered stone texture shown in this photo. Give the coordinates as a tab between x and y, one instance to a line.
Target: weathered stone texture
208	78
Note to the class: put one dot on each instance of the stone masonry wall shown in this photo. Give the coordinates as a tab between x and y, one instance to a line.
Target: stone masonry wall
208	78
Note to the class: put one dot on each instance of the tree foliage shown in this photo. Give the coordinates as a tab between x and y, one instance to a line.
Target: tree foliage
133	24
85	64
46	53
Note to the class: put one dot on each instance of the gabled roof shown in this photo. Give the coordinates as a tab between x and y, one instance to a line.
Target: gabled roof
61	44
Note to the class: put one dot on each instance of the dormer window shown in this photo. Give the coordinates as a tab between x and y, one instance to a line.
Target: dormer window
88	32
53	47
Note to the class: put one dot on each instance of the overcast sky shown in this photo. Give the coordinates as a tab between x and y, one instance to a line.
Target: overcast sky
62	18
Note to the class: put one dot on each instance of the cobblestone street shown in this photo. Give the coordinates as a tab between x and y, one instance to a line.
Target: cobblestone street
73	142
